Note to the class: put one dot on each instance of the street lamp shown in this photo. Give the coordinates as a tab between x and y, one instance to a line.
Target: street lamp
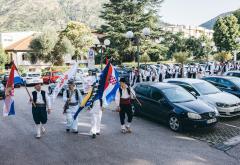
212	47
236	51
99	45
136	40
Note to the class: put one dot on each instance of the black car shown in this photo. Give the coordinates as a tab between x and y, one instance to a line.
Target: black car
123	74
2	90
173	105
225	83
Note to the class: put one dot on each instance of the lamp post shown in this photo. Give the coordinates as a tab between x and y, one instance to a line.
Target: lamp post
212	47
99	45
236	51
136	40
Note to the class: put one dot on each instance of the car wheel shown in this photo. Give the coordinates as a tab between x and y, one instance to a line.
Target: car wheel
174	123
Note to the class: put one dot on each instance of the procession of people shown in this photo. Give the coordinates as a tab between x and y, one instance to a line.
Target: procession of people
160	72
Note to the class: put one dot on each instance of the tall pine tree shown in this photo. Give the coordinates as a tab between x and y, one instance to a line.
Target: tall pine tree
124	15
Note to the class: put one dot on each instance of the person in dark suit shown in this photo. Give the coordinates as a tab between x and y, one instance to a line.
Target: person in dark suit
40	107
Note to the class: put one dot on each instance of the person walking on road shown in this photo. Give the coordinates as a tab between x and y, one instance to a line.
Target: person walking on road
123	100
40	107
72	98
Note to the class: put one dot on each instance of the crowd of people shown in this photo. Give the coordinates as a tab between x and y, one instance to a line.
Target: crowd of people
159	72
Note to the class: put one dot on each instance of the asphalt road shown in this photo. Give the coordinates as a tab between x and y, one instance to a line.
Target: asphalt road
150	143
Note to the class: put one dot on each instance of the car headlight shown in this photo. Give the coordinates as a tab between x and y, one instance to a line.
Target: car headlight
222	105
193	116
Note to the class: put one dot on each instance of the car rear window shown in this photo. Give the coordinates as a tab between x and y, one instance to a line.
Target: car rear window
34	75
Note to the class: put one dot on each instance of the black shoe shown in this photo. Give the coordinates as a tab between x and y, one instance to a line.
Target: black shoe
75	132
67	130
97	133
94	136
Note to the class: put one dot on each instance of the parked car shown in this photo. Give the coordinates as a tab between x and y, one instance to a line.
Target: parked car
227	104
225	83
174	105
2	90
123	74
51	77
82	71
233	73
32	78
53	85
5	79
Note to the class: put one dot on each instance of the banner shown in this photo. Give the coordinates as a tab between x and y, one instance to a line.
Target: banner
64	79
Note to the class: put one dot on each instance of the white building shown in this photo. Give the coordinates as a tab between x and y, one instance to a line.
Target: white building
190	31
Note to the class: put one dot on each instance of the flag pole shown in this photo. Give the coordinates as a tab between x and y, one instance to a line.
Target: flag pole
26	88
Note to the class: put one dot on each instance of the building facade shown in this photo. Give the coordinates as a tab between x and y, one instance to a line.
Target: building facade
189	31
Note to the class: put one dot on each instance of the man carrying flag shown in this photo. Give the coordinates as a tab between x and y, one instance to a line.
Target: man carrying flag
40	107
14	78
123	101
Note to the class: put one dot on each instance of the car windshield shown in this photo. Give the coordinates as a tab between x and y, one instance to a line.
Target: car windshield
236	81
206	88
57	74
34	75
177	95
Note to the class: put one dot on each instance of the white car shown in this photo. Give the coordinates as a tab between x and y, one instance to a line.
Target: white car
32	78
227	104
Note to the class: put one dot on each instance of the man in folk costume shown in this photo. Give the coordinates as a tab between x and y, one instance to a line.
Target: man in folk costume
96	110
40	107
72	98
123	101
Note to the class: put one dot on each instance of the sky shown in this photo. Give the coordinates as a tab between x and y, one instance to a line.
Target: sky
195	12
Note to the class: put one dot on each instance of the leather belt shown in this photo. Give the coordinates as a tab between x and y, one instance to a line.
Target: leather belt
73	104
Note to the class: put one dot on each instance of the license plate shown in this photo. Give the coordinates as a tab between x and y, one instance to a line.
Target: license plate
236	109
211	121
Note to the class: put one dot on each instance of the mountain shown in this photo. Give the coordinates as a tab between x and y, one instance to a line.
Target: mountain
209	24
21	15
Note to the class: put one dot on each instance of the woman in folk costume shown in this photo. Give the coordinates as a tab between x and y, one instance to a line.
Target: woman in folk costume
72	98
40	107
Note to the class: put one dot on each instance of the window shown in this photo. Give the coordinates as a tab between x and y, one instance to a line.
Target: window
156	94
225	83
190	89
24	75
143	90
236	74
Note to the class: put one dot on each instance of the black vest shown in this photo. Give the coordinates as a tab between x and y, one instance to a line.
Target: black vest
34	93
128	90
76	94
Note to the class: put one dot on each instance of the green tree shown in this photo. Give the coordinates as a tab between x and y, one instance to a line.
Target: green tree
226	31
182	58
145	58
3	57
43	45
223	56
175	43
80	36
121	16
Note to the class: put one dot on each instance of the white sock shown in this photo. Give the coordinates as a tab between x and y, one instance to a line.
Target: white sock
38	129
123	127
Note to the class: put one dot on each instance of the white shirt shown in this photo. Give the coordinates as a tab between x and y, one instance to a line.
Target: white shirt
125	95
40	99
